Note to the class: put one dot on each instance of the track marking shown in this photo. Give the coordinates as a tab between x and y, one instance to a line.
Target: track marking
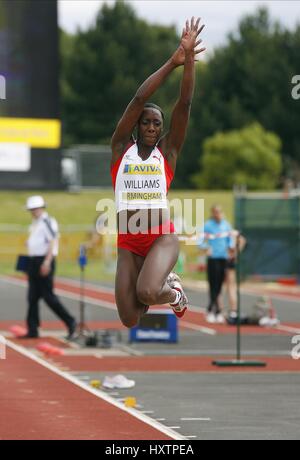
245	291
288	329
112	306
105	289
130	350
67	295
98	393
108	305
194	419
194	327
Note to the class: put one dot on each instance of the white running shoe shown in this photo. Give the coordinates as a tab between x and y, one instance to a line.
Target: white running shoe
210	318
180	307
220	318
118	381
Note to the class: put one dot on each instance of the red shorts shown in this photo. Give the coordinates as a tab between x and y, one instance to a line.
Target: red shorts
140	243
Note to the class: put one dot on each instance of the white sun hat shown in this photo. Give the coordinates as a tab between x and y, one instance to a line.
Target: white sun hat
35	202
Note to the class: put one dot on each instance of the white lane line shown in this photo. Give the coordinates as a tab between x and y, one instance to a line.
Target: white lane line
284	328
112	306
191	437
67	295
98	393
110	290
273	295
196	309
194	327
74	283
147	411
174	427
108	305
246	291
161	419
130	350
250	292
192	419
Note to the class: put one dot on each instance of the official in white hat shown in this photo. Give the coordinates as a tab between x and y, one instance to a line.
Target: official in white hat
42	247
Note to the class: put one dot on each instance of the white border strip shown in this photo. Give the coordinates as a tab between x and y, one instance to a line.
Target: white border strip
98	393
112	306
195	327
96	287
63	293
284	328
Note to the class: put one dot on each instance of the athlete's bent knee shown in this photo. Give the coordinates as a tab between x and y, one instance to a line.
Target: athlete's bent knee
129	321
147	295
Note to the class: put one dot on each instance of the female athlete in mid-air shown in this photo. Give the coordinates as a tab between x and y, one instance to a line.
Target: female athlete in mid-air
142	171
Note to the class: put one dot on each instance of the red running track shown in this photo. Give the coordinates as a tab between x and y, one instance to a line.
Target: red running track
37	404
185	364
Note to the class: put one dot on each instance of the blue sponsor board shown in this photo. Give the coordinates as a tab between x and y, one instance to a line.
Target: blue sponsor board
156	326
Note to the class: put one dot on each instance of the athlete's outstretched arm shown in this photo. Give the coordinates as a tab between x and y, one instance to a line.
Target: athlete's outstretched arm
124	128
173	141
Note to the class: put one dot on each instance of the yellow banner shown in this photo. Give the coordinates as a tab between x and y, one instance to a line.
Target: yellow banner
36	132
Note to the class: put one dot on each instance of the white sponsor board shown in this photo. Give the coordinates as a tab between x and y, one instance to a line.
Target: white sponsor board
15	157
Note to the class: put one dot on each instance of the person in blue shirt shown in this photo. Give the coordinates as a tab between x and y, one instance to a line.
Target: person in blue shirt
218	248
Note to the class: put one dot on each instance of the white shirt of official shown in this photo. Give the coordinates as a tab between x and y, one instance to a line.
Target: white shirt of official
42	232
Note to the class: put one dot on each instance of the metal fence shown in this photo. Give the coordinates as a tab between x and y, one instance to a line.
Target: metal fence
86	166
271	224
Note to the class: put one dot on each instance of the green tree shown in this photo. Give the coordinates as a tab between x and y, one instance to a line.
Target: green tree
247	79
106	65
250	156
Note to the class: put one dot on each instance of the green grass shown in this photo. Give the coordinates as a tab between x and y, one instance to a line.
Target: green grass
68	208
94	271
80	209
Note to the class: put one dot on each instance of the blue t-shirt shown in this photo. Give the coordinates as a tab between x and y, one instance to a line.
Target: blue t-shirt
219	246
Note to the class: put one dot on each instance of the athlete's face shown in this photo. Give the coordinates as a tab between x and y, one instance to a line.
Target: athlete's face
150	126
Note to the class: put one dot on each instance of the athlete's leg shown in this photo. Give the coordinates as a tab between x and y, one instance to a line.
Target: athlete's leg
152	287
211	277
221	271
128	268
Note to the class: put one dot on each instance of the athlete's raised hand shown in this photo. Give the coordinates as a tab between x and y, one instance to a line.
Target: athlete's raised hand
189	35
189	41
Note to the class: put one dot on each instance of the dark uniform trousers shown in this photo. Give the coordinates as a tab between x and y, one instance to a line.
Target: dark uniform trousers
41	287
216	271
